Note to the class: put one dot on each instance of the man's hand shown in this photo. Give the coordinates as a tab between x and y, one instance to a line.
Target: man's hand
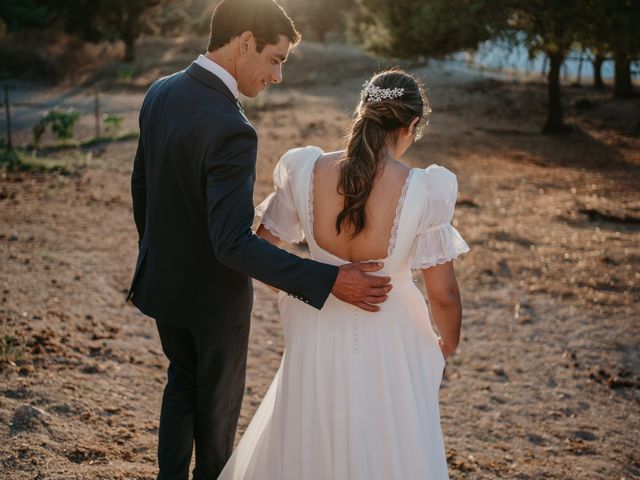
354	286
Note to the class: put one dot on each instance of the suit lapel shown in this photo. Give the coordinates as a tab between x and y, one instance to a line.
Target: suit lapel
204	76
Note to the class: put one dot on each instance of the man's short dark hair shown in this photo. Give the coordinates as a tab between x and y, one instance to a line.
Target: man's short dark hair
264	18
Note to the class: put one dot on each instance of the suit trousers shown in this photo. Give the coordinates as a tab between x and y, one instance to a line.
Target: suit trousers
202	398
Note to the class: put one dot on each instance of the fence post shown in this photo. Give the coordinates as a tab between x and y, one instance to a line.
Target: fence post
7	109
97	112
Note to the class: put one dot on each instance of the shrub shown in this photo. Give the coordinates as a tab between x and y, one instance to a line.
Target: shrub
62	124
113	122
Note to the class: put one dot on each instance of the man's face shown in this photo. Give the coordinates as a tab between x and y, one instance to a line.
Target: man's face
257	70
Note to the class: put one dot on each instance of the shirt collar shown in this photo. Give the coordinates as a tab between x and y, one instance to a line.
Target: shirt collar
211	66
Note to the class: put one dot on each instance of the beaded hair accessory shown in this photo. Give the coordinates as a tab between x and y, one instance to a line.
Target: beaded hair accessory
377	94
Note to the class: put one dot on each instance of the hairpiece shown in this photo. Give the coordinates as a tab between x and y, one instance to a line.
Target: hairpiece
377	94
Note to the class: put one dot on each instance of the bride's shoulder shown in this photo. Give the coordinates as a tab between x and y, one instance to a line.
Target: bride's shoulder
435	172
300	155
438	182
294	163
436	175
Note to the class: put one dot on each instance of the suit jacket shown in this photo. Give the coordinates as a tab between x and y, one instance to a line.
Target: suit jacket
192	188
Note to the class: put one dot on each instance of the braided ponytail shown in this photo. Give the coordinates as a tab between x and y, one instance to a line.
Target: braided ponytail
375	124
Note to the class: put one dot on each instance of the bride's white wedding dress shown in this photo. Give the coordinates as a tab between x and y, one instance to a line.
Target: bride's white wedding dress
356	395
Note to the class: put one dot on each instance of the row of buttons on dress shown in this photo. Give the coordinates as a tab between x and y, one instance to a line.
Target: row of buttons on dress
356	330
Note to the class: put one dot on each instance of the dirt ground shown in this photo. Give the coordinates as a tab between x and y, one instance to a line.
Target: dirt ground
546	382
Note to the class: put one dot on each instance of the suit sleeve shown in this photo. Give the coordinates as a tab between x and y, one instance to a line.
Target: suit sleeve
139	190
230	171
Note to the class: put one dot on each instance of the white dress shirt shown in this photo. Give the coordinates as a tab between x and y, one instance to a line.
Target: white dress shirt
221	73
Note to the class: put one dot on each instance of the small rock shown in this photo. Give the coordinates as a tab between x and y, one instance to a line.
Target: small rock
499	371
585	435
93	369
27	417
523	311
467	202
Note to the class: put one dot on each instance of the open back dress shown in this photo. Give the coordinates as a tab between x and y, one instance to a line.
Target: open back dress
356	394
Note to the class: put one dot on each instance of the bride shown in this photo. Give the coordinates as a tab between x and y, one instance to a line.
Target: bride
356	395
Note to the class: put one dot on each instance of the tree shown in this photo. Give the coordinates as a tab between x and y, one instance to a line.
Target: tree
20	14
96	20
611	31
440	27
411	28
597	61
592	36
110	19
622	27
319	17
552	28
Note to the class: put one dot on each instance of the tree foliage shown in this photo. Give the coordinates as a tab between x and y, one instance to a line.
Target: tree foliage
21	14
618	32
436	28
319	17
123	19
552	28
96	20
411	28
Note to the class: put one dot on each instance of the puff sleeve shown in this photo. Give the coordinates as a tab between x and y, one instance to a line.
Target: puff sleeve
278	212
437	241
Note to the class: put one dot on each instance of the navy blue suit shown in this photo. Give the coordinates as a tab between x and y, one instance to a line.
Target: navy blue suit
192	188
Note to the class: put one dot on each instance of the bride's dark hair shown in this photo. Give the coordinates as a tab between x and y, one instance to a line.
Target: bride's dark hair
374	121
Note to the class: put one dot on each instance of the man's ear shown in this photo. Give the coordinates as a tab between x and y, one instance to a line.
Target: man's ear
247	42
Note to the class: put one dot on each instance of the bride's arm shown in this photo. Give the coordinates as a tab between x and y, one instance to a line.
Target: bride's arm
268	236
444	304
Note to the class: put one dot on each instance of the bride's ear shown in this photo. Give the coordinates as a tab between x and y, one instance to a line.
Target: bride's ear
413	125
411	129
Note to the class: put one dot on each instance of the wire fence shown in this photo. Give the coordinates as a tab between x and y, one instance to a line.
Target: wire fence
95	112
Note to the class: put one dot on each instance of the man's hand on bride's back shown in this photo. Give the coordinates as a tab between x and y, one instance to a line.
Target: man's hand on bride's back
355	286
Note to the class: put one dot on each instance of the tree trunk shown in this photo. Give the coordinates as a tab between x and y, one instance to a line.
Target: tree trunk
623	87
554	122
597	71
129	35
579	74
130	50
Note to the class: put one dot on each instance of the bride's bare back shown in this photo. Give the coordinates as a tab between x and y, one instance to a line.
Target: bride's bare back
380	210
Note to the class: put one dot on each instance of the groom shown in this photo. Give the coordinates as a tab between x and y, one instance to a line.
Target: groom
192	188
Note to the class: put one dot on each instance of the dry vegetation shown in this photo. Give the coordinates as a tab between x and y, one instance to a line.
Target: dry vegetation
546	383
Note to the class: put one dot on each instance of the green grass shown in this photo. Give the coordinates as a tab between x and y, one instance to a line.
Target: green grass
92	142
44	160
108	139
19	160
